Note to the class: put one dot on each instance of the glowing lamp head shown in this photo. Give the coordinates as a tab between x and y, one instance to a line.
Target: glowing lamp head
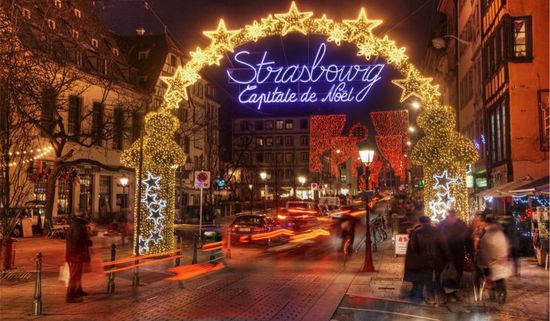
411	129
250	186
263	176
302	180
123	181
409	143
366	155
415	105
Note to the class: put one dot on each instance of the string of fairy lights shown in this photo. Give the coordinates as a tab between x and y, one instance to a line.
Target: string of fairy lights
28	156
442	148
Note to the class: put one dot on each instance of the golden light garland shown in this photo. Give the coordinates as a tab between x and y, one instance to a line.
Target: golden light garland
358	31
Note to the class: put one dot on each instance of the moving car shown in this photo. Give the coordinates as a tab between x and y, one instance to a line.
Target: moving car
245	226
299	215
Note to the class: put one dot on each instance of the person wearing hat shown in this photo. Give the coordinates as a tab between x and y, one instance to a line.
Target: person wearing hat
77	253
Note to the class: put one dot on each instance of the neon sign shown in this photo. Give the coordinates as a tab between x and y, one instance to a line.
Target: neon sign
265	82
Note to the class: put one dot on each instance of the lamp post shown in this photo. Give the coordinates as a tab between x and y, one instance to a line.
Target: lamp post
367	155
263	176
250	186
124	182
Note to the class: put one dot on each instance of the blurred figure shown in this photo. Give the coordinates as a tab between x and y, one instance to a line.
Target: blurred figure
77	253
455	240
511	231
492	257
423	256
347	225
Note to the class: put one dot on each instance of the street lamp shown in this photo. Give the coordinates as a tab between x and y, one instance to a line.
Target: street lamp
263	176
367	155
415	105
124	182
250	186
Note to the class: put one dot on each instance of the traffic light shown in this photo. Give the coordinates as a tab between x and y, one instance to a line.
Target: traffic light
220	183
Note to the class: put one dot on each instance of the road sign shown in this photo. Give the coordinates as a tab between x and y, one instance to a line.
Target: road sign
401	241
202	179
314	186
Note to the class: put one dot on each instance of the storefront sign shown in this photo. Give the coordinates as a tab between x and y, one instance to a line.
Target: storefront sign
401	241
481	182
264	81
469	181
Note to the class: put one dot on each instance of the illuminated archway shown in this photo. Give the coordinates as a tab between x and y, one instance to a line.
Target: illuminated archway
443	152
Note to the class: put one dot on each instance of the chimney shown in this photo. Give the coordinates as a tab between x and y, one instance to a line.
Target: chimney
140	31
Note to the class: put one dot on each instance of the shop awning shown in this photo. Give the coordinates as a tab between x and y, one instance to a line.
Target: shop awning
504	190
540	185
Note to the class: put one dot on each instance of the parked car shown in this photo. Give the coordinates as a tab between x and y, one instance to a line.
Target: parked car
247	225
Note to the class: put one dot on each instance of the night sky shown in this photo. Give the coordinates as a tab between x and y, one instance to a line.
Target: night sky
405	21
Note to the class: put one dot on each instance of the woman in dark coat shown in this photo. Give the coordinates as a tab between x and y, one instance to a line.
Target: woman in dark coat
76	254
423	256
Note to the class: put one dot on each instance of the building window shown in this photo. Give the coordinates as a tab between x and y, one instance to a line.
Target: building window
244	125
289	158
57	3
104	66
77	13
289	141
142	55
75	34
280	157
48	110
305	156
303	124
26	13
269	157
289	173
104	195
544	103
86	184
289	124
118	128
259	141
51	24
279	124
269	141
97	123
278	140
137	123
115	52
64	196
304	140
268	124
173	60
259	157
259	125
75	107
522	46
95	43
186	144
78	57
498	142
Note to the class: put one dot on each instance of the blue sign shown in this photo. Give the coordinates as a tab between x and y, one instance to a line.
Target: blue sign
262	81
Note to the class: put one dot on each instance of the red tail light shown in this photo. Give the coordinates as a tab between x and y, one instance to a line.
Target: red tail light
281	217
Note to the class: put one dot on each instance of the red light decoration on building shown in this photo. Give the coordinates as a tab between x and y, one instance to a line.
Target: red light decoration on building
391	148
322	129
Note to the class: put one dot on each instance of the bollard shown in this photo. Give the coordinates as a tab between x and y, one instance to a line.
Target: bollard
111	283
228	254
195	239
178	244
135	277
37	304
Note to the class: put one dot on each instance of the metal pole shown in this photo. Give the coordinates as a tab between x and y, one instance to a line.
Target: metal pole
195	238
178	245
111	283
368	266
37	304
228	254
265	203
200	216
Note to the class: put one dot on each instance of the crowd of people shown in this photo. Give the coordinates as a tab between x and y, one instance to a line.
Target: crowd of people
438	255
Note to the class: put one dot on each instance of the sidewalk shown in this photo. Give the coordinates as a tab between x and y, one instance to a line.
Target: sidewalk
528	295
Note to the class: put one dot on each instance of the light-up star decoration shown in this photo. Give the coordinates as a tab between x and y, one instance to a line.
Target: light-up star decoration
362	26
222	37
412	85
444	200
155	207
294	20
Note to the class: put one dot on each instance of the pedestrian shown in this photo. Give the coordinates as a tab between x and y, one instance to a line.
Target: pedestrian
511	231
455	240
492	258
77	253
422	258
347	225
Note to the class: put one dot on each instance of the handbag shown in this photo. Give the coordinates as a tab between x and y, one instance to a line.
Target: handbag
450	281
64	274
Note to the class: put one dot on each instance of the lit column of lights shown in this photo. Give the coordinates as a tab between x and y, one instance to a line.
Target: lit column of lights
442	147
161	156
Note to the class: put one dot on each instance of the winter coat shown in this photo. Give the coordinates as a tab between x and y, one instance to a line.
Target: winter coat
413	264
425	246
493	248
78	242
511	231
454	236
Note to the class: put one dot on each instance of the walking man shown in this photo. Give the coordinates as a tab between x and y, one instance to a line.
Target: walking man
77	253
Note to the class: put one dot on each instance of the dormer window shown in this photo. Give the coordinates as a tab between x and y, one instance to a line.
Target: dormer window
51	24
57	3
75	33
95	43
115	52
77	13
142	55
26	13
